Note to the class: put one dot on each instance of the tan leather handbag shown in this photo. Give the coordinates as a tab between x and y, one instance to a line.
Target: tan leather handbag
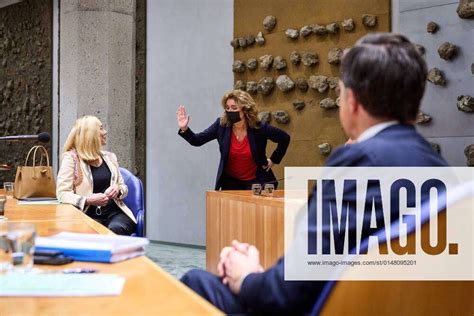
35	181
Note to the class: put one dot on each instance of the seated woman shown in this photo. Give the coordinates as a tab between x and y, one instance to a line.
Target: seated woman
90	179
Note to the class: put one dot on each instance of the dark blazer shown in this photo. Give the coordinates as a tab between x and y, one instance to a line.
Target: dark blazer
397	145
258	138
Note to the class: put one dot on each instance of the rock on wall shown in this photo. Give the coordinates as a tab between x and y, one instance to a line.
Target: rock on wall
25	77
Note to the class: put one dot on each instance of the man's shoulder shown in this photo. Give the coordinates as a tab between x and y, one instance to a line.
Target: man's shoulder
397	145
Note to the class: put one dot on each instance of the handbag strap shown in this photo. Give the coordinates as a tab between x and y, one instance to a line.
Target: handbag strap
44	152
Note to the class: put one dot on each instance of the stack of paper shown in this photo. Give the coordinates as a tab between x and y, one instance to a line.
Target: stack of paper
92	247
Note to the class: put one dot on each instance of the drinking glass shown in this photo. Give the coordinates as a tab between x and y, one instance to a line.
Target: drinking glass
5	257
21	238
9	187
268	189
256	188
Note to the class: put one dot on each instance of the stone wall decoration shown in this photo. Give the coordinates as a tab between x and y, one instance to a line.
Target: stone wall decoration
269	23
436	77
295	58
335	56
239	85
292	33
324	149
242	42
307	55
465	103
238	66
252	63
333	82
465	9
250	39
319	83
320	30
422	118
306	30
264	117
436	147
328	104
235	43
348	25
302	84
25	78
281	117
266	61
369	20
299	104
279	63
447	51
469	152
332	28
310	58
266	85
432	27
251	87
260	39
284	83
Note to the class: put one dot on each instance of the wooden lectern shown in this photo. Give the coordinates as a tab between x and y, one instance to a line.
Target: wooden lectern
249	218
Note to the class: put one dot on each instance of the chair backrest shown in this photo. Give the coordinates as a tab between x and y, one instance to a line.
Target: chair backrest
135	199
400	297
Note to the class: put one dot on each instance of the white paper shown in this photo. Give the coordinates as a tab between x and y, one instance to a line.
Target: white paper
45	285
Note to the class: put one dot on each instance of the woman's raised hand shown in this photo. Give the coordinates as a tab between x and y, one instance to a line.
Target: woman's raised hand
183	118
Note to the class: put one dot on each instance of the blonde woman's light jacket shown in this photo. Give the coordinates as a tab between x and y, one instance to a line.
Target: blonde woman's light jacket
74	185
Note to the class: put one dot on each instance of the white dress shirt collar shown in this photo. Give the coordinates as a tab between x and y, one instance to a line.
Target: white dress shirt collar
374	130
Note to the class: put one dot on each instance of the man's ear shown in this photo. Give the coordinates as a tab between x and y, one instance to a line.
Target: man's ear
352	102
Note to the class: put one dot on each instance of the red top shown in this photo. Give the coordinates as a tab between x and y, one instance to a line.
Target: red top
240	164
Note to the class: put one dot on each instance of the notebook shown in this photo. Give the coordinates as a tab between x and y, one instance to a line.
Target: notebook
94	247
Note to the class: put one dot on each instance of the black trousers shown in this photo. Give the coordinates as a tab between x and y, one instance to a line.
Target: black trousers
230	183
114	219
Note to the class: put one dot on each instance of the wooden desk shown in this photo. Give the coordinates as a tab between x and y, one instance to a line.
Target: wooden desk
248	218
148	289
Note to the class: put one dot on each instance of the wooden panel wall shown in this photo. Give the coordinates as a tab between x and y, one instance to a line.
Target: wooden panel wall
313	125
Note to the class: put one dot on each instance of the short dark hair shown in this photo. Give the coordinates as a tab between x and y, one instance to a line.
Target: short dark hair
387	75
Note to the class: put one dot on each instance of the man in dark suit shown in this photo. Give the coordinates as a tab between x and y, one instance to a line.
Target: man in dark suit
382	82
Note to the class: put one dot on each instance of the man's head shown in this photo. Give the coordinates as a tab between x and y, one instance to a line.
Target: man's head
383	78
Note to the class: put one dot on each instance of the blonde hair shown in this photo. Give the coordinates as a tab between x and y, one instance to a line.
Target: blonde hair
246	103
85	138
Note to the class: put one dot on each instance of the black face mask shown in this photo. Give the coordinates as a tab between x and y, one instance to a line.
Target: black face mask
234	117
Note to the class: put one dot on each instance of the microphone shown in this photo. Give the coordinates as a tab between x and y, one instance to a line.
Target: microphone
41	137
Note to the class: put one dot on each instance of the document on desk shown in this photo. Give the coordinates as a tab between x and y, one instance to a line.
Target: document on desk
61	285
94	247
38	202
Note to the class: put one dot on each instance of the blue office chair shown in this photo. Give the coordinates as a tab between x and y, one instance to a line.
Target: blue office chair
463	191
135	200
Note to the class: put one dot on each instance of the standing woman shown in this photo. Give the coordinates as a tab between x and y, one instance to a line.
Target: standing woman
90	178
242	142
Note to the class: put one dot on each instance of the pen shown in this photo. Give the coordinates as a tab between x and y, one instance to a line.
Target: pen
78	270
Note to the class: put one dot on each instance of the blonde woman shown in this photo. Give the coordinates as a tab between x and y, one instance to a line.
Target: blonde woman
242	142
90	179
